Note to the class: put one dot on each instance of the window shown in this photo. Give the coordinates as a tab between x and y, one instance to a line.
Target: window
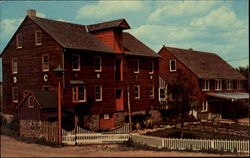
151	67
136	66
46	88
45	62
218	85
229	84
19	41
79	94
15	94
137	92
204	106
205	85
162	94
38	37
106	116
14	65
172	65
30	102
98	64
239	85
151	92
98	93
76	62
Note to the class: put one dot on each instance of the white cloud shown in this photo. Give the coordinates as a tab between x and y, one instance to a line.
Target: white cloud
42	15
221	17
181	9
107	8
9	26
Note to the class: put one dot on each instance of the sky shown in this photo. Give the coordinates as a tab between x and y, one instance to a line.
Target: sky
217	26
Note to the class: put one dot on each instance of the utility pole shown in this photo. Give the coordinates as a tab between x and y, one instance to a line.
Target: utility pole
129	112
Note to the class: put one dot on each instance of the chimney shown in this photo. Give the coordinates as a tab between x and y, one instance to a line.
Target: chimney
31	13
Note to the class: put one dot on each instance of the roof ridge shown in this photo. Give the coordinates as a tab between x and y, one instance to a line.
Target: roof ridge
107	22
196	51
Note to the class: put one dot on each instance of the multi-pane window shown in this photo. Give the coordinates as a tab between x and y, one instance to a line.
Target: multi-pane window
239	85
98	64
98	93
14	65
15	94
204	107
78	94
136	66
137	91
205	85
229	84
38	37
45	62
151	92
19	41
76	62
172	65
162	94
30	102
218	85
151	67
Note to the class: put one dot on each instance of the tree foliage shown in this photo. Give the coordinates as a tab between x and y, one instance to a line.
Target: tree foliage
243	70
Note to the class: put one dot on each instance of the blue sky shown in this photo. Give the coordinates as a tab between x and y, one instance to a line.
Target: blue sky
215	26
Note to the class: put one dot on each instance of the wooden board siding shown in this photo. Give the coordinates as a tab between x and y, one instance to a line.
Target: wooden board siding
27	113
29	57
111	37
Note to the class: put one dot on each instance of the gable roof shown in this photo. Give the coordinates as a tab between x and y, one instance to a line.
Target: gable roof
132	46
109	24
73	36
45	99
206	65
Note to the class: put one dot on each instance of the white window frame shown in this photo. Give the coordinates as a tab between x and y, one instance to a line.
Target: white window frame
204	106
205	85
153	93
218	85
100	60
45	67
14	67
38	43
239	84
151	63
170	63
100	99
229	84
138	66
19	41
106	116
164	91
137	86
79	65
29	102
76	93
14	98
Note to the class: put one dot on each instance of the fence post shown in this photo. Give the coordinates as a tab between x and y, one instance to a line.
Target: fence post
162	142
212	144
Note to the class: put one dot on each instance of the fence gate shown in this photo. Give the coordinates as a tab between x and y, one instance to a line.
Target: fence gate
83	136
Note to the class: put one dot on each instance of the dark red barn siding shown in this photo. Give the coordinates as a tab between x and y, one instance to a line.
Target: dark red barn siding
29	57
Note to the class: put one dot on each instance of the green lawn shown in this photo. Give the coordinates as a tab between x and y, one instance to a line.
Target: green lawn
176	133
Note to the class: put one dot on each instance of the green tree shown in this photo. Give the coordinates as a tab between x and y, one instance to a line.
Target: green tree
243	70
183	96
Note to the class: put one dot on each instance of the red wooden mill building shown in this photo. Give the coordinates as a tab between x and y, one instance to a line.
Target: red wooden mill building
100	62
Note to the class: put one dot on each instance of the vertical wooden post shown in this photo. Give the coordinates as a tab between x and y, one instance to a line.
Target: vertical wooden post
59	115
129	112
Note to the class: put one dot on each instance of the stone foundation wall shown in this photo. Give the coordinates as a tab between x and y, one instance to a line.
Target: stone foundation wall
91	122
156	115
119	118
30	128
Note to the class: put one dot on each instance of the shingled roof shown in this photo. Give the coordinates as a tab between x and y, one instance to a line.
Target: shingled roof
72	36
109	24
133	46
206	65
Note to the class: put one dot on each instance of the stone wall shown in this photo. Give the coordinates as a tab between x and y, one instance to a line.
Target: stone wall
119	118
156	115
30	128
91	122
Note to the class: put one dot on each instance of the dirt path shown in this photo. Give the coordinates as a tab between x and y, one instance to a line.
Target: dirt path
13	148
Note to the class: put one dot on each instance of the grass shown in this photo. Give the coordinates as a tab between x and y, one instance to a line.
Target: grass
176	133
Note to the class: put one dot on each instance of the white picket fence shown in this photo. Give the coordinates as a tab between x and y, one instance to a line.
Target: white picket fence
83	136
239	146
